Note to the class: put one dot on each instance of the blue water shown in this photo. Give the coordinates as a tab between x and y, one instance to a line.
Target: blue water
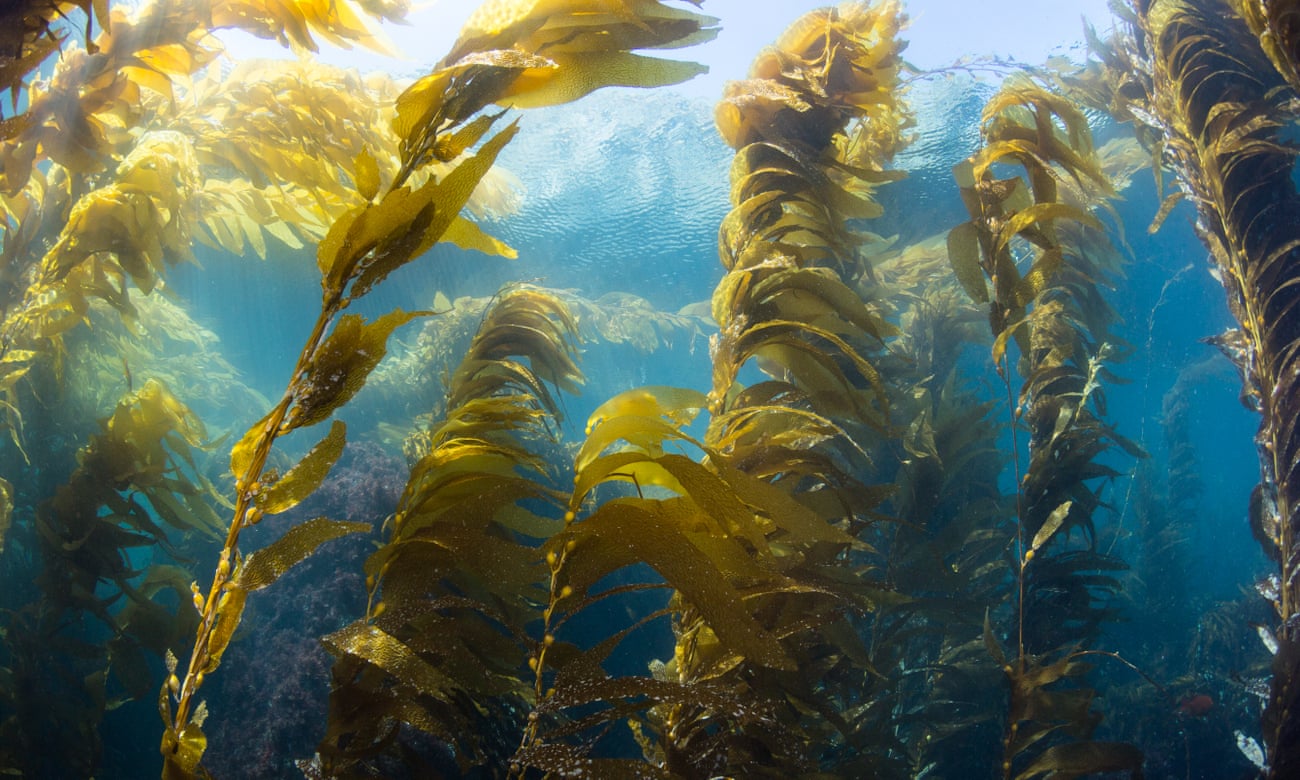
623	193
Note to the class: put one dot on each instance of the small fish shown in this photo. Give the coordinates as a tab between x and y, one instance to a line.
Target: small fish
1266	636
1250	748
1195	706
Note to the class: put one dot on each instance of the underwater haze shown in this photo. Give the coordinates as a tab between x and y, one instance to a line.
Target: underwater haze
649	389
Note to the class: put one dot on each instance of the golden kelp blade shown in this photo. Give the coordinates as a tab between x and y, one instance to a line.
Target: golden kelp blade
575	75
582	46
655	533
263	567
374	239
338	369
571	26
307	475
293	22
677	405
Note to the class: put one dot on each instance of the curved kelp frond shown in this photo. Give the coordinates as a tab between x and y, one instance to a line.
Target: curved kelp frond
580	46
457	583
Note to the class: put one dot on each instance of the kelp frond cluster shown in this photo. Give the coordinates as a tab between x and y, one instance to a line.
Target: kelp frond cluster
845	556
1215	88
1035	238
442	646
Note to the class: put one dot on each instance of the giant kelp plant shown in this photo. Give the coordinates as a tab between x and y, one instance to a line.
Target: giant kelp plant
1211	81
865	548
1054	312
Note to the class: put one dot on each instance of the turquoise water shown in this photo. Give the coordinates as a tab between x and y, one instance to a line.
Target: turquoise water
616	205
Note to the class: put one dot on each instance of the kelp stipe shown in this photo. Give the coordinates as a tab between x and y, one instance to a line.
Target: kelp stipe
341	351
1218	102
1054	314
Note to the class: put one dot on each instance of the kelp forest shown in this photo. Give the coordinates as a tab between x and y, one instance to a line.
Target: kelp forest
889	488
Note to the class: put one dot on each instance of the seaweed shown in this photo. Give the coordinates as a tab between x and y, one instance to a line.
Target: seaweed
814	126
742	535
460	562
946	554
1054	314
811	566
135	482
437	118
1216	96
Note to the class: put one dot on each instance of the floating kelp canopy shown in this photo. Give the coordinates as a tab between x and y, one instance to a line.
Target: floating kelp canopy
859	503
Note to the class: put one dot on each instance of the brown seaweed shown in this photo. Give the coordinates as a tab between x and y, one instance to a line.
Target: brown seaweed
134	487
1049	306
845	589
1216	97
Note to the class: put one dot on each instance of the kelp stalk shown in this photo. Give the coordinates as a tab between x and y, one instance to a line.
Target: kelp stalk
1054	314
1221	101
366	244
